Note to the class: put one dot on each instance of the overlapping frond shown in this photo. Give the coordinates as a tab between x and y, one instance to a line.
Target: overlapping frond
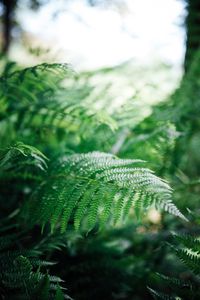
158	295
43	106
37	100
189	252
21	160
97	187
22	272
19	274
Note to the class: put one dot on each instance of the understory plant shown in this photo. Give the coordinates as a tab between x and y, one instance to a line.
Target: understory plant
76	193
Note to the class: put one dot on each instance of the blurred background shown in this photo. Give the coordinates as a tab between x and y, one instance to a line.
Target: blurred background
133	61
142	42
95	33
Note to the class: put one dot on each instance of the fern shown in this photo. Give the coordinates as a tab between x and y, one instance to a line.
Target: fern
96	186
27	283
17	157
37	103
23	274
45	109
188	241
20	274
157	295
188	253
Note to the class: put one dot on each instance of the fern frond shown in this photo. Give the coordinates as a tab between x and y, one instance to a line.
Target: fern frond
18	273
190	258
157	295
17	158
174	281
188	241
59	294
97	186
37	100
188	251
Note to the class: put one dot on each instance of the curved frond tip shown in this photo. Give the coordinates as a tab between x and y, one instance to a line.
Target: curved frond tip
96	188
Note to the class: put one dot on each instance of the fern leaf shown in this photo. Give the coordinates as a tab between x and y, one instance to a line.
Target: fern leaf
190	258
59	294
158	295
93	183
19	159
188	241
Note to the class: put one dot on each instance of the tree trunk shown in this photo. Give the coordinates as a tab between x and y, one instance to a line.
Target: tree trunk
8	6
193	31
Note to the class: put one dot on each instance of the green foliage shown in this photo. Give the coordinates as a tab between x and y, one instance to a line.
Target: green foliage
188	252
21	275
111	264
98	185
182	161
16	159
70	166
37	106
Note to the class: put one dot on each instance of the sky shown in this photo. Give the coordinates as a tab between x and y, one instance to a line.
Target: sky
92	37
